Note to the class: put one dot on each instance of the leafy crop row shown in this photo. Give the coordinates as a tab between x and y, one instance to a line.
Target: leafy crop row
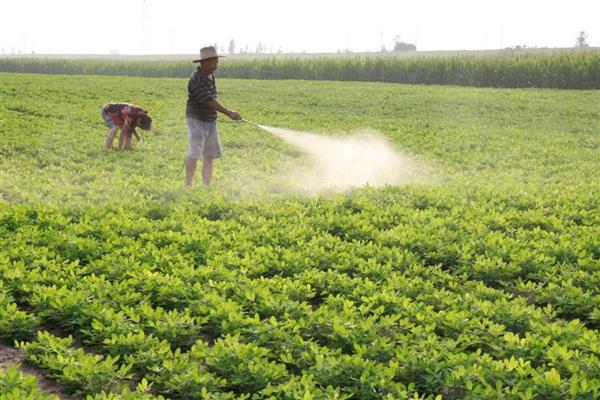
15	385
15	324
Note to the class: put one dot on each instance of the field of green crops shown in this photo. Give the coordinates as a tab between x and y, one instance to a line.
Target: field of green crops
483	283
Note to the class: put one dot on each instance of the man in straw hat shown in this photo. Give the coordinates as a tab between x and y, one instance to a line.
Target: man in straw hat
201	117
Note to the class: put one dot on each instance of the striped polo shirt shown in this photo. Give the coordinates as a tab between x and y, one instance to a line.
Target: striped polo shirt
201	90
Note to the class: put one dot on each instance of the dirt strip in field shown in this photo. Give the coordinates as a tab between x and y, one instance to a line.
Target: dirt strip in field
11	356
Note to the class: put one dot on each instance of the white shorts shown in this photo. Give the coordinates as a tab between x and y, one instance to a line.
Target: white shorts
203	140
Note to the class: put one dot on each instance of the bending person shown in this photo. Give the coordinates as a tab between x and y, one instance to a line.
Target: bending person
127	117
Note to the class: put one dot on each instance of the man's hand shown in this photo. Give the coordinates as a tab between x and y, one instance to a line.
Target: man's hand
215	105
234	115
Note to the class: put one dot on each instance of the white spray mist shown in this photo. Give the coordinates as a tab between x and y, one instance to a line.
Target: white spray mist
340	163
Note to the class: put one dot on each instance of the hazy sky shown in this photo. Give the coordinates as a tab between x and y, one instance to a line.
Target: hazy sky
183	26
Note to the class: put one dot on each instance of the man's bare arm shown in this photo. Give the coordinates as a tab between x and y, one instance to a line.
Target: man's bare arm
215	105
136	134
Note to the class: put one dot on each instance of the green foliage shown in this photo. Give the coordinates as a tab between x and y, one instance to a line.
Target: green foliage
80	372
15	385
246	367
15	324
141	392
481	284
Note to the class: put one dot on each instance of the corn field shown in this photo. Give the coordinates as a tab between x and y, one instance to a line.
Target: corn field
564	70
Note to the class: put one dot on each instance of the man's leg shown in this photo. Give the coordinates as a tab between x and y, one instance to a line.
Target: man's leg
190	169
110	137
212	150
207	170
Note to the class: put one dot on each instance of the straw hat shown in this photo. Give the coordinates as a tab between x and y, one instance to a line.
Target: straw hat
208	53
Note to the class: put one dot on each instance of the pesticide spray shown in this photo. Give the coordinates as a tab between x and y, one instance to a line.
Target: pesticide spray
339	163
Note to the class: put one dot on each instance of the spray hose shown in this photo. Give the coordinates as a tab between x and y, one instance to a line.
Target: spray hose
242	120
250	122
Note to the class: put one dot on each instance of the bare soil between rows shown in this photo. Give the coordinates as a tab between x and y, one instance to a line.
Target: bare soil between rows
11	356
